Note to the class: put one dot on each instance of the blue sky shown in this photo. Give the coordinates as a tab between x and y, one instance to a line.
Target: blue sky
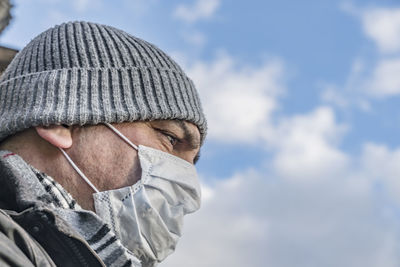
301	165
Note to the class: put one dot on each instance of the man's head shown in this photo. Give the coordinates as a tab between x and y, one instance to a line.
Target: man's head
68	81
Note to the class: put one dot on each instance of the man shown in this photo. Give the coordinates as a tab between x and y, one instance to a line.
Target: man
99	132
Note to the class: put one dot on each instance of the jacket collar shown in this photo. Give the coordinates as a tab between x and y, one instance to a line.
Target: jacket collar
24	187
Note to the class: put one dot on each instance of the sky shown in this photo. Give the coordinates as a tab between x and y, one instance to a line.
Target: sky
301	166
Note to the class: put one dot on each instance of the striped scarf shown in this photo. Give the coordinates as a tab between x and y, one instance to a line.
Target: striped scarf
97	233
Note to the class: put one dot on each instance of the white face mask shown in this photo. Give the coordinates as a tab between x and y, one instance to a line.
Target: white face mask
148	216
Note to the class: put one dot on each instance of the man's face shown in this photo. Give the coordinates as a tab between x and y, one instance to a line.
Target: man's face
111	163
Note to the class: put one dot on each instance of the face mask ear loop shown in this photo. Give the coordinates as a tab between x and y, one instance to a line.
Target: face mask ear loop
78	170
121	135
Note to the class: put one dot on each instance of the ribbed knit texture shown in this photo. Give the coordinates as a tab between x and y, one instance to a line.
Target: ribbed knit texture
87	73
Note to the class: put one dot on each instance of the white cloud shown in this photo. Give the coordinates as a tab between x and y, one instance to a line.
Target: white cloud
382	25
331	95
382	166
306	145
254	219
371	77
377	79
240	104
352	93
385	80
238	100
200	9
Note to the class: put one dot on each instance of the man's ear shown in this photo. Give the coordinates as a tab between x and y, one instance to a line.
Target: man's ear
57	135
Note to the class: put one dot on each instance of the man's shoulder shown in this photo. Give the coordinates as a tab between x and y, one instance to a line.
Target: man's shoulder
17	247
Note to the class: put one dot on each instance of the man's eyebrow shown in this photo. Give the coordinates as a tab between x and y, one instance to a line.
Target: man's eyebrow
188	136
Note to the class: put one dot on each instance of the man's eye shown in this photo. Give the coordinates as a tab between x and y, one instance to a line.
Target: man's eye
171	139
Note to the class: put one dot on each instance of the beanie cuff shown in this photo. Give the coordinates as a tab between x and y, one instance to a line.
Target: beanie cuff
78	96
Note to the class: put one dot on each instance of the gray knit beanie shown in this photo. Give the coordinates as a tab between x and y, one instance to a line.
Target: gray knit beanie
81	73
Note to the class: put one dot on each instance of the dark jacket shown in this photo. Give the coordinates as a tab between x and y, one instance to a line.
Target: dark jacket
31	232
30	238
